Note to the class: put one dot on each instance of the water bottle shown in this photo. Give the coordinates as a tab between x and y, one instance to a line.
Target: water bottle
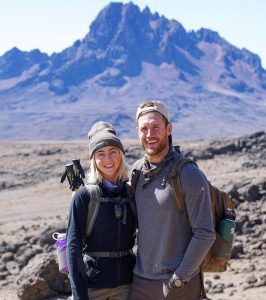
227	227
61	251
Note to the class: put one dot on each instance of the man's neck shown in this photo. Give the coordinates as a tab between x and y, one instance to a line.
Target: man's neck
158	157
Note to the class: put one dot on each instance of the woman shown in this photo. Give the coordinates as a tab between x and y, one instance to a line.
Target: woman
106	272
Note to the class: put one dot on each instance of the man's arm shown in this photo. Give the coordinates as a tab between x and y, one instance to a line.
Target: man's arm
198	206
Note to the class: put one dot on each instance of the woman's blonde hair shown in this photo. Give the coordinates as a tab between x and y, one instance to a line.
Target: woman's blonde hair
96	176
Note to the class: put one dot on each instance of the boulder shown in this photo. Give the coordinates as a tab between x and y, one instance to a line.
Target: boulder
42	274
237	250
46	235
33	289
253	193
22	258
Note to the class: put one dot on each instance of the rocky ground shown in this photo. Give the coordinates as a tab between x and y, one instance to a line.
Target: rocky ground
34	204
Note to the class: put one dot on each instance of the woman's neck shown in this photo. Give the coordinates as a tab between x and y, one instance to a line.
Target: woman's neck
110	184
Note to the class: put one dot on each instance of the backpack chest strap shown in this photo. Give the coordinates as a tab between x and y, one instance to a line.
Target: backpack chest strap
110	199
111	254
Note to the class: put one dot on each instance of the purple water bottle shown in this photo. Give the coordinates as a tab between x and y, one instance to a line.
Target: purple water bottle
61	251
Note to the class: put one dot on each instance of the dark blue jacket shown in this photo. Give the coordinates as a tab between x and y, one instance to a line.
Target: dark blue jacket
108	234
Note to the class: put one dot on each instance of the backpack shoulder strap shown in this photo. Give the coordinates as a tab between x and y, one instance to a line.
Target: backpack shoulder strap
220	202
129	192
139	164
94	205
132	202
135	173
96	199
175	182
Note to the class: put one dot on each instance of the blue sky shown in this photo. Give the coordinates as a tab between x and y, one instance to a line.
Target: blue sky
52	25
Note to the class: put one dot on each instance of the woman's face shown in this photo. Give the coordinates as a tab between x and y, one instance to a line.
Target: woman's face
108	160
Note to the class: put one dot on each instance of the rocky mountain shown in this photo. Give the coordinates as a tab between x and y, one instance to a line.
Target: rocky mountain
211	87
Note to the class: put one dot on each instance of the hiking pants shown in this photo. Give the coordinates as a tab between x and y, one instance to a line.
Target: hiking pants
146	289
119	293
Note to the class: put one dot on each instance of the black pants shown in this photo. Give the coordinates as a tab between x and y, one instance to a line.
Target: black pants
146	289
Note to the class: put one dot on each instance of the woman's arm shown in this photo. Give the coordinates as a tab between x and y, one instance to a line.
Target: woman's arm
75	234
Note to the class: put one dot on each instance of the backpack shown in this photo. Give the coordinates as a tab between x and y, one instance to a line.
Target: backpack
219	254
94	205
95	202
75	175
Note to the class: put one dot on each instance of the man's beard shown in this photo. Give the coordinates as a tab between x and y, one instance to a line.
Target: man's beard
155	151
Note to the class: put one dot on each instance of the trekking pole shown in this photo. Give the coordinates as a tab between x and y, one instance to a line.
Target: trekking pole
74	174
78	170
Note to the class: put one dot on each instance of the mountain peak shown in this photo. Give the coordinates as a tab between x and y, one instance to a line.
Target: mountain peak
209	36
128	55
15	61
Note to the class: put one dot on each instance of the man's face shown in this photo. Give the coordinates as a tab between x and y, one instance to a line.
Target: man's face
153	135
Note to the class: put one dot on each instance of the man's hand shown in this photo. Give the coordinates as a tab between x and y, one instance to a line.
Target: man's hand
173	283
176	282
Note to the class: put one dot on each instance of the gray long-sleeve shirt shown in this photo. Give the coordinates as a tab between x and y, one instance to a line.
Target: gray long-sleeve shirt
170	241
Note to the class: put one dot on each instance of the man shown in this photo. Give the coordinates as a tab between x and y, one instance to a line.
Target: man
171	243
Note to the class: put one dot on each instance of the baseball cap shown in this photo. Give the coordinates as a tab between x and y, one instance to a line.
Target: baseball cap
150	106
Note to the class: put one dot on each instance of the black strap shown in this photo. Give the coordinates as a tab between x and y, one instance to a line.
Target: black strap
112	254
93	208
109	199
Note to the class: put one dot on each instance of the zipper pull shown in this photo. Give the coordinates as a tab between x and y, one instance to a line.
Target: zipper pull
164	182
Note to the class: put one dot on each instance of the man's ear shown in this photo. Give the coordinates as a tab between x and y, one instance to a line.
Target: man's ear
169	129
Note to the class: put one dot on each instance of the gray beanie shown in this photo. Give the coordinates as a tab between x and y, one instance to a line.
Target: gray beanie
103	134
